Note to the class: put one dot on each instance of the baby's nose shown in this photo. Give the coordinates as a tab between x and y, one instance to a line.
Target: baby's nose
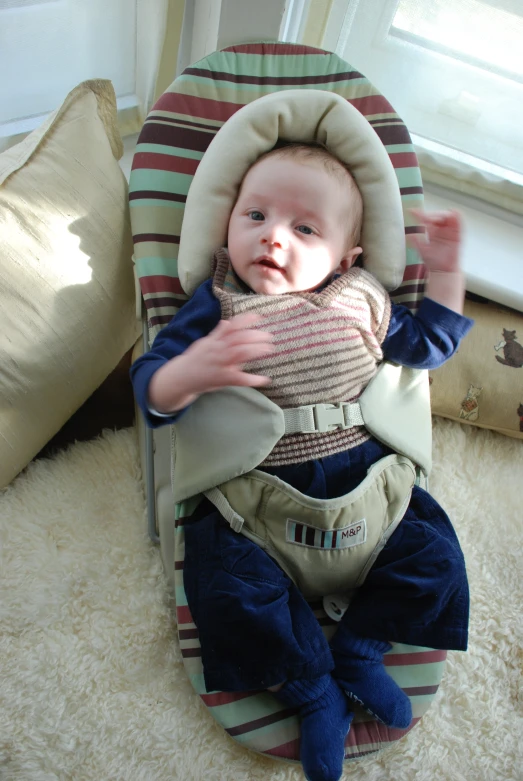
276	236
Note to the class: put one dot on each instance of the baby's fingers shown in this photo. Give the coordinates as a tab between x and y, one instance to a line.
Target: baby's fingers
449	219
243	353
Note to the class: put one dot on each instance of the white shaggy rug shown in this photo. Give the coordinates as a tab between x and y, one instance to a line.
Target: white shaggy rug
92	686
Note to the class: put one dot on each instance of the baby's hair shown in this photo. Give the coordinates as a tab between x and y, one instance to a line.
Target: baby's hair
333	165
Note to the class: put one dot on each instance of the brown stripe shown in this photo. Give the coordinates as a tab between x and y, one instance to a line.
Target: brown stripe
188	634
157	195
327	78
156	133
393	134
164	238
411	190
309	536
282	454
316	363
189	653
160	319
414	229
413	288
159	301
385	121
275	48
272	718
416	691
325	389
182	122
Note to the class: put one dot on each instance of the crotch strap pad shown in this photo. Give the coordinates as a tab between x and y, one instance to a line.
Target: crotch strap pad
326	546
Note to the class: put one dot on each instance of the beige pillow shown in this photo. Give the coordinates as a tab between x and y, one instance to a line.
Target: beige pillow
483	383
67	302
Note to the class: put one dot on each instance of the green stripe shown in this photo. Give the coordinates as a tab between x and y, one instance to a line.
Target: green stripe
408	177
253	738
248	709
208	89
161	181
146	267
417	674
275	65
198	682
396	148
181	599
157	202
175	151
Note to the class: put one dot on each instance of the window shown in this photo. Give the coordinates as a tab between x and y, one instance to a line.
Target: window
452	69
49	46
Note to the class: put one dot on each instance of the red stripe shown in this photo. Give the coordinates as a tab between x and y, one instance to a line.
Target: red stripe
160	283
415	271
404	159
183	614
289	750
173	163
225	698
373	104
197	107
421	657
273	48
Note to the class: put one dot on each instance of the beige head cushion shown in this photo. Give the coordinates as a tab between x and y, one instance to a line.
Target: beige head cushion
301	116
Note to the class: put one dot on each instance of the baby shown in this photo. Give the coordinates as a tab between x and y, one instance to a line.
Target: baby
293	237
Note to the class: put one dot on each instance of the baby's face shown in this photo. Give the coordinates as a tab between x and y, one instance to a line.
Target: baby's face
288	231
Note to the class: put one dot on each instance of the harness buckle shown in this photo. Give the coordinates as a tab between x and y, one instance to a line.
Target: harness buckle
329	416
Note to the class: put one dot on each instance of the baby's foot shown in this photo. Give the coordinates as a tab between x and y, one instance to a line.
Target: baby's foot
325	718
362	675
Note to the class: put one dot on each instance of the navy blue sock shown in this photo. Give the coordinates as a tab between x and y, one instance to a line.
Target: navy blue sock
325	718
360	672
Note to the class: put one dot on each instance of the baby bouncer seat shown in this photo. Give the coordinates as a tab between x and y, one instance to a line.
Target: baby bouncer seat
174	138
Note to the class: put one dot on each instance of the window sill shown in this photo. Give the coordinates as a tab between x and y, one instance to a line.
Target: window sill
492	244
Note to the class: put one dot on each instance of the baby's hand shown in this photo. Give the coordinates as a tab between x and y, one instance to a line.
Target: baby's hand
440	246
217	359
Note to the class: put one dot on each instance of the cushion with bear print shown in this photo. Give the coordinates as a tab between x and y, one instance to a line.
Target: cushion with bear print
483	383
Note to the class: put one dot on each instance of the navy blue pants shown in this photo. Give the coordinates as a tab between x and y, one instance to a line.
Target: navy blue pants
256	629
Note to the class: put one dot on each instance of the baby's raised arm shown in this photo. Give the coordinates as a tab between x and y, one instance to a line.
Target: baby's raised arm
440	251
212	362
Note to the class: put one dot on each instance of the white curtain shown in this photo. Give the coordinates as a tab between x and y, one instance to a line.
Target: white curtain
47	48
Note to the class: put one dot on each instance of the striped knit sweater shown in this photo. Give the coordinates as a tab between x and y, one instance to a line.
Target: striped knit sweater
327	346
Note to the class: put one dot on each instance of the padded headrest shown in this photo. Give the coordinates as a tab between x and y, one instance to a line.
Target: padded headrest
302	116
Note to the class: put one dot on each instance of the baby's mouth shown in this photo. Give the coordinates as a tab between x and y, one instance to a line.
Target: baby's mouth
268	262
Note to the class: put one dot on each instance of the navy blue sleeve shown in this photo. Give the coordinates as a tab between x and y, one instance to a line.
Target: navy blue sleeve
427	339
195	319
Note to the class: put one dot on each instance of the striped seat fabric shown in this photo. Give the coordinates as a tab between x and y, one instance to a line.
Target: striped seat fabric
173	140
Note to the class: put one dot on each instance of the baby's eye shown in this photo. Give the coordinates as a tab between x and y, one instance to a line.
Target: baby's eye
257	216
305	229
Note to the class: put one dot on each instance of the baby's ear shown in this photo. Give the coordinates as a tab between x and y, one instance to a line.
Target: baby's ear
349	258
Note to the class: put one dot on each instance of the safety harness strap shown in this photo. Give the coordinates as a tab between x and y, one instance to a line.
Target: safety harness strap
318	418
